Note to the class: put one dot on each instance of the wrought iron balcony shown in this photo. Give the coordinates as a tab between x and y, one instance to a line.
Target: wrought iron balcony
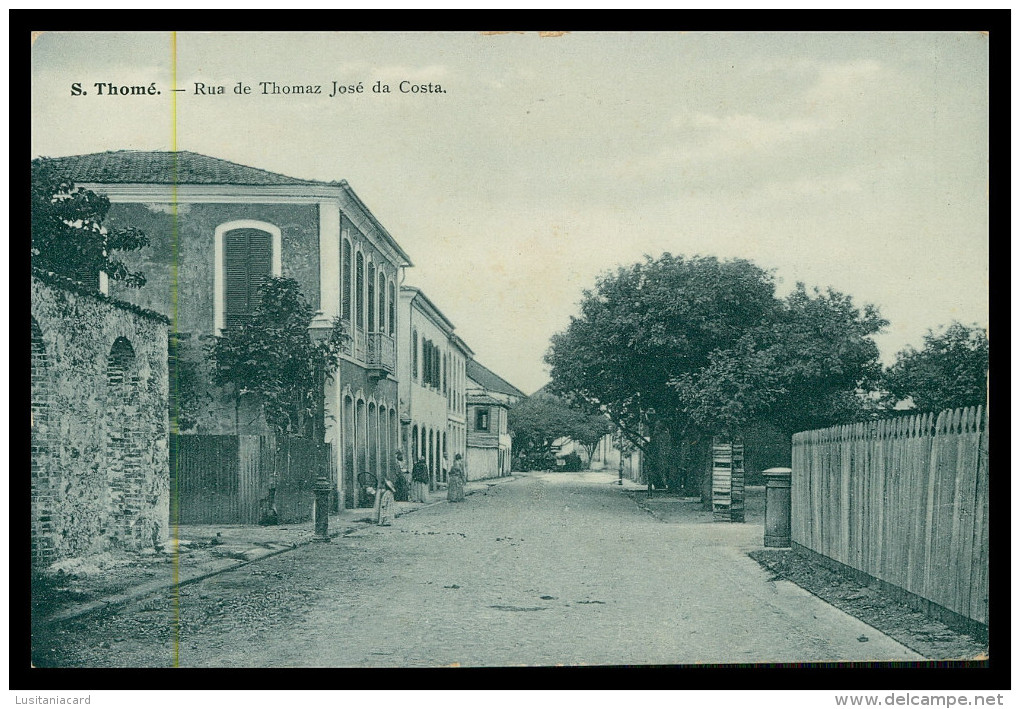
380	354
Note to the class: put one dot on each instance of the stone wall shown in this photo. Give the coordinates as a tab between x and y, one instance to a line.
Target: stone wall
100	467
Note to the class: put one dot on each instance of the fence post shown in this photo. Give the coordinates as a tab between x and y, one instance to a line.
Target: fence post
777	506
322	490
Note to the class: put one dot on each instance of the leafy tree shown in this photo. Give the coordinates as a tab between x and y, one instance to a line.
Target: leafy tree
68	236
272	359
685	348
949	371
185	387
810	365
589	429
536	422
539	420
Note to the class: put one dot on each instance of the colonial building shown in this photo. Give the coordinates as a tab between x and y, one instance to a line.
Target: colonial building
489	398
432	383
217	231
456	400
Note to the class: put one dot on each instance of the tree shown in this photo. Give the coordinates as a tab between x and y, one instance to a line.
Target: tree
680	349
536	422
68	235
272	359
589	430
949	371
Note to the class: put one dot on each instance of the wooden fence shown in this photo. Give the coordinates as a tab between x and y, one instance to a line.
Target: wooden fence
903	500
234	479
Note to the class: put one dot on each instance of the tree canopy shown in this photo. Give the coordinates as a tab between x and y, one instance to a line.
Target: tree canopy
68	233
539	420
273	359
949	371
703	346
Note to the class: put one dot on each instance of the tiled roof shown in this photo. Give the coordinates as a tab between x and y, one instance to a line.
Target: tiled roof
484	399
166	168
490	380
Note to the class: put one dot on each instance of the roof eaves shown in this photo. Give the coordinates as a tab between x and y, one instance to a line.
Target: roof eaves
343	184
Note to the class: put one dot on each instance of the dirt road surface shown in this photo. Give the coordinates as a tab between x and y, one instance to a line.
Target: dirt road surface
547	569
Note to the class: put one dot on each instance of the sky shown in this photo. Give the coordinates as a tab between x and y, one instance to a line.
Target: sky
857	161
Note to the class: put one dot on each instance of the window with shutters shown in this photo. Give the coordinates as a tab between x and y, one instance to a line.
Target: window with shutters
247	255
414	355
426	362
393	310
345	286
247	265
359	290
381	294
371	297
482	419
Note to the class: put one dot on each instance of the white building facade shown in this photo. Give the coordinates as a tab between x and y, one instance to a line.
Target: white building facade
432	363
489	399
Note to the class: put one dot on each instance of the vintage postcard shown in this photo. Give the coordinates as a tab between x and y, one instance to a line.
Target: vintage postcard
509	349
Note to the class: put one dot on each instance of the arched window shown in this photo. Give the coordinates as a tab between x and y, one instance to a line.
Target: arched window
393	310
345	285
382	301
361	434
371	297
349	434
414	445
414	355
372	424
124	469
394	436
384	443
359	290
247	255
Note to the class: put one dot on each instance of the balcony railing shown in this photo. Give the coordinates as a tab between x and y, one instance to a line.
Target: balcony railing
359	345
381	352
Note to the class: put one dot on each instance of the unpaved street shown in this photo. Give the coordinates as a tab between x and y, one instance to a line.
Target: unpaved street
546	569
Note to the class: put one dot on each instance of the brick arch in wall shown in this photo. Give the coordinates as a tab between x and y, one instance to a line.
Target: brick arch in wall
125	472
44	483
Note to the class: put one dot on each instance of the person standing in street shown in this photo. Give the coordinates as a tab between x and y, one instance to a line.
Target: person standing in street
456	480
383	512
402	481
420	481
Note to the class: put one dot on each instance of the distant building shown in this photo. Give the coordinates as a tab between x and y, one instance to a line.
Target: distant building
432	384
605	456
218	230
489	399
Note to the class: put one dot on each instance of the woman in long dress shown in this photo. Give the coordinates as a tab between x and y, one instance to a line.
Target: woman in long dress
384	504
420	481
455	481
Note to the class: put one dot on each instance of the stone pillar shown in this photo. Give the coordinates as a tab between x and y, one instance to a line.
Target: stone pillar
777	507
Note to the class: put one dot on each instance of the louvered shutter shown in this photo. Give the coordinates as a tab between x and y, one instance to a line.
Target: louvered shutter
359	291
371	298
393	311
235	273
260	265
425	371
248	264
345	286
